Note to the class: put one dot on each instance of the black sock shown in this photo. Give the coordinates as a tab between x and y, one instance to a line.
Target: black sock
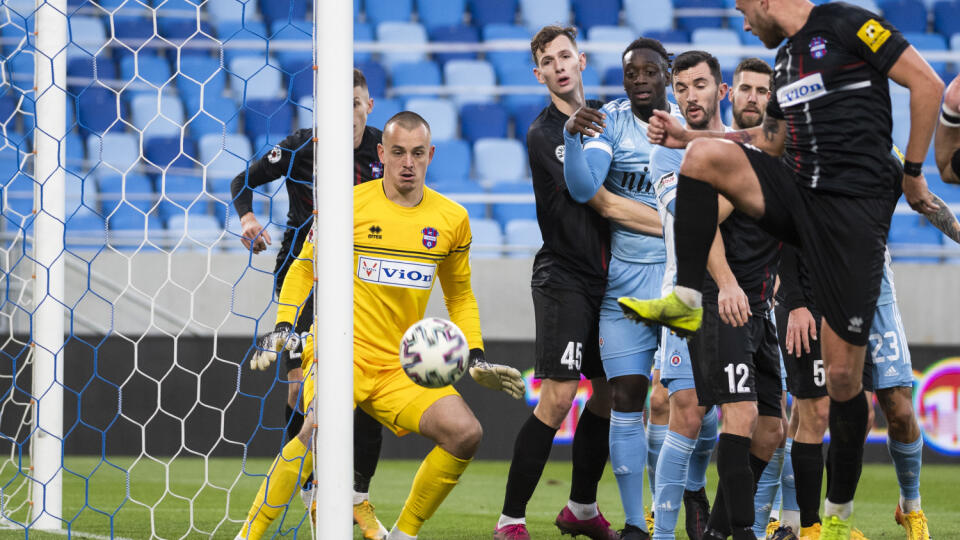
294	421
694	229
757	466
591	448
848	431
735	471
718	520
530	453
367	439
808	474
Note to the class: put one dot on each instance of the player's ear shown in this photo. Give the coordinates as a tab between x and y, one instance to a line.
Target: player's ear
722	92
380	152
583	61
370	106
539	76
430	155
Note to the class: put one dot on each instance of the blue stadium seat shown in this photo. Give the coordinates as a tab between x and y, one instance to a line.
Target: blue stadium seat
590	77
955	42
181	194
692	22
523	232
305	112
422	73
288	10
439	113
436	13
200	72
153	123
231	10
252	78
135	189
454	188
85	230
401	34
267	116
185	37
147	75
134	32
97	110
499	159
451	162
521	75
945	19
618	36
19	68
132	229
295	32
469	73
645	15
362	33
199	232
299	81
484	12
536	14
504	59
90	69
590	13
487	239
88	33
75	154
706	38
668	36
911	231
225	156
112	153
506	212
356	9
906	15
376	78
379	11
454	34
177	10
479	120
165	151
929	42
14	34
523	117
383	109
252	35
17	189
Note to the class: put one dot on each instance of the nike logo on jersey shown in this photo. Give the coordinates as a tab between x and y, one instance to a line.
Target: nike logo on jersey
801	91
396	273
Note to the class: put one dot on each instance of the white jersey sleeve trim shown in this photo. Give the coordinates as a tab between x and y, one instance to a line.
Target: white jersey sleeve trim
599	144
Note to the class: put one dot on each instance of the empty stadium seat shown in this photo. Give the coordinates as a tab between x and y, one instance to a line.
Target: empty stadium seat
505	212
293	33
945	19
697	15
362	33
455	188
288	10
198	232
383	109
240	39
376	78
267	116
669	36
451	162
522	75
90	69
85	230
906	15
17	188
135	32
251	78
149	73
200	72
181	194
487	239
469	73
379	11
911	231
454	34
135	189
299	81
618	37
536	14
86	32
112	153
525	233
401	34
166	151
484	12
590	77
645	15
503	32
435	13
305	112
153	123
523	117
499	159
707	37
422	73
930	42
224	156
590	13
439	113
479	120
132	229
215	115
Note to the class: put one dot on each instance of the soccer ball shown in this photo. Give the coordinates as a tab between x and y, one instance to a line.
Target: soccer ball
434	353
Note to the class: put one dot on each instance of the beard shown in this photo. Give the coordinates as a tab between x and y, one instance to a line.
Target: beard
743	123
707	116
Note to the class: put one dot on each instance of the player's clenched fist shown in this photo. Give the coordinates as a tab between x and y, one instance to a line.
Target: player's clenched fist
269	345
586	121
666	130
496	376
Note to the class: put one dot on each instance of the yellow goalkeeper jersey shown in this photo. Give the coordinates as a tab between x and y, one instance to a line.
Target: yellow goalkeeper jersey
398	253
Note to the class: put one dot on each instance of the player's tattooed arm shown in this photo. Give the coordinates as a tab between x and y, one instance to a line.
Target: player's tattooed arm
944	219
768	137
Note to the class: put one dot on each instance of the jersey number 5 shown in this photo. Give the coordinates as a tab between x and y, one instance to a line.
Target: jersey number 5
572	355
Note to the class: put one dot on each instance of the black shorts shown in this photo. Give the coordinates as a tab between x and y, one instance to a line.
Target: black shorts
303	325
806	375
841	239
737	364
568	334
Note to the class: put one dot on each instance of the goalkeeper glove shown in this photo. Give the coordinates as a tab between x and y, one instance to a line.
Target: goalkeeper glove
269	345
496	376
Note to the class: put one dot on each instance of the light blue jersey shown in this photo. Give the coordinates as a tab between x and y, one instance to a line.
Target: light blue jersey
888	294
665	165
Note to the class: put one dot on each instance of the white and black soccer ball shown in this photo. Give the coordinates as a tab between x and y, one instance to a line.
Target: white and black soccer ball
434	353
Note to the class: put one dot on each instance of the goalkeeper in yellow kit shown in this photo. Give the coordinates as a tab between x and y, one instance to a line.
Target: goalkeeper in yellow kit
404	235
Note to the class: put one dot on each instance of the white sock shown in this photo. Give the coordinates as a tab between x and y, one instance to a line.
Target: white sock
842	511
775	514
358	497
691	297
791	518
583	511
397	534
909	505
507	520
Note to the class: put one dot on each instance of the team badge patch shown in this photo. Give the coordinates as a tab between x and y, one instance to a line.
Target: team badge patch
376	170
601	342
559	152
675	359
873	34
430	237
274	155
818	47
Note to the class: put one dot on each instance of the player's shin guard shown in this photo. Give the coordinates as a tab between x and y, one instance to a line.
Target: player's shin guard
628	452
694	229
808	475
293	464
437	475
655	436
590	453
700	459
907	460
848	430
766	493
530	453
367	440
790	516
672	474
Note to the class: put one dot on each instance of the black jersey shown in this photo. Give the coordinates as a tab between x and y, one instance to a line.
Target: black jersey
796	290
576	239
753	256
366	161
832	90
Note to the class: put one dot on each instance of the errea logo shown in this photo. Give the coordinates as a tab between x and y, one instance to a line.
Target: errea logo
806	89
396	273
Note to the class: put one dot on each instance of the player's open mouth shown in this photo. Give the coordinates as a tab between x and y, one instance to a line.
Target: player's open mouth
562	81
643	94
692	109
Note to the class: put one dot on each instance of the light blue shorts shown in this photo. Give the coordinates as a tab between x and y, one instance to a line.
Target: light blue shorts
626	347
676	370
887	349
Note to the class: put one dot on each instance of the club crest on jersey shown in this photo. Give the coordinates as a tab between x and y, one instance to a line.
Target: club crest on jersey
430	237
675	359
818	47
559	152
274	155
376	170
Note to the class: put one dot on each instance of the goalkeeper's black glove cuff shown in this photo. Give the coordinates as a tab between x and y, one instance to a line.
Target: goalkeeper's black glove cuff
476	356
283	327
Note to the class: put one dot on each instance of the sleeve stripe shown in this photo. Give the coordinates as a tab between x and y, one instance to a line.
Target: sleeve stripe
599	144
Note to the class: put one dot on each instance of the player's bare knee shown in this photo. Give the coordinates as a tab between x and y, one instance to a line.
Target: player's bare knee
843	381
700	159
306	431
465	438
739	418
659	403
556	398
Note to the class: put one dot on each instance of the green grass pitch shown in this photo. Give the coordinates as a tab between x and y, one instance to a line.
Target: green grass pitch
469	513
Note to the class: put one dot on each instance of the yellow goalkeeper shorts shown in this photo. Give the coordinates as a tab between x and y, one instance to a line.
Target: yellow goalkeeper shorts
385	394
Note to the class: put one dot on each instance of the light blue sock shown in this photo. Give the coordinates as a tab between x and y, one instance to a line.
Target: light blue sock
907	459
671	479
700	460
766	492
787	481
655	435
628	449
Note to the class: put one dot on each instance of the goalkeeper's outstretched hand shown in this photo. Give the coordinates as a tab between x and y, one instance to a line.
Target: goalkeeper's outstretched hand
269	345
496	376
